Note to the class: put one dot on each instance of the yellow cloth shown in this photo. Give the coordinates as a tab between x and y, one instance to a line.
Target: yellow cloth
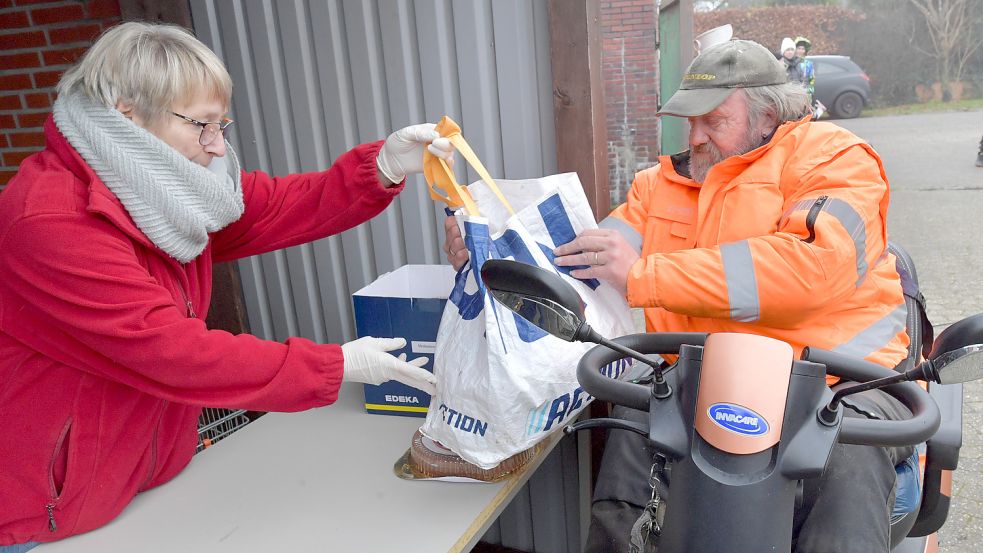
440	177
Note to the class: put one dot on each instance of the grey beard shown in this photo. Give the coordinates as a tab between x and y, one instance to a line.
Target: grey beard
702	158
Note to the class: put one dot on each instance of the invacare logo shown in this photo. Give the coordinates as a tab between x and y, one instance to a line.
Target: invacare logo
738	419
560	409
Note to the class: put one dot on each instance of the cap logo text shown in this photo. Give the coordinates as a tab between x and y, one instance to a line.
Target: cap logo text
699	77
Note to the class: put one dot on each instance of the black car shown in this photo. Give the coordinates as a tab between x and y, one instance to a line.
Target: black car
841	85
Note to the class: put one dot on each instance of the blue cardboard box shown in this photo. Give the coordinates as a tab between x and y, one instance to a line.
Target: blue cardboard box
406	303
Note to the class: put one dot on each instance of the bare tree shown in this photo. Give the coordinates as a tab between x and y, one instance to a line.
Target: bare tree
952	36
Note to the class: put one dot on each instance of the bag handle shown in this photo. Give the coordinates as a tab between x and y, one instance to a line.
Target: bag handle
439	174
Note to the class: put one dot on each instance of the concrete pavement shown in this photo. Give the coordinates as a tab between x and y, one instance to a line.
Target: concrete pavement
935	213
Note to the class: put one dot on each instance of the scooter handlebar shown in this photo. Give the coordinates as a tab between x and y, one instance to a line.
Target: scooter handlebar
921	426
624	393
925	416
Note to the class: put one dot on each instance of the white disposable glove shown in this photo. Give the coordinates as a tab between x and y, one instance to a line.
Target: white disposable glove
402	154
367	360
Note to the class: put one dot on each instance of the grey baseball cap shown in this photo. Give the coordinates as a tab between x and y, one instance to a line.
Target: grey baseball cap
717	71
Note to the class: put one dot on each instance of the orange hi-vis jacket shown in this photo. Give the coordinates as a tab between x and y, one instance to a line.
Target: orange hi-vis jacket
788	240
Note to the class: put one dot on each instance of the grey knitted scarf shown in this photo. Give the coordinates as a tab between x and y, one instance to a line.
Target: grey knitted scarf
174	201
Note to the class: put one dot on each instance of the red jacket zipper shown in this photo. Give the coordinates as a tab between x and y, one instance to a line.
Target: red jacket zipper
55	494
153	450
184	294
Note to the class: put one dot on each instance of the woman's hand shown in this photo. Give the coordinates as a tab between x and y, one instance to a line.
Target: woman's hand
402	154
457	252
606	253
368	360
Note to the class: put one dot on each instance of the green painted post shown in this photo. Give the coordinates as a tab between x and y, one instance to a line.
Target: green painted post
675	54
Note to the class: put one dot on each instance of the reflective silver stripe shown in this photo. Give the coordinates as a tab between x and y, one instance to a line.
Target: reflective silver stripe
851	222
801	205
742	285
624	229
873	338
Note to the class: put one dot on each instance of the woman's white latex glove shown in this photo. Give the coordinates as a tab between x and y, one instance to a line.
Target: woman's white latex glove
402	154
368	360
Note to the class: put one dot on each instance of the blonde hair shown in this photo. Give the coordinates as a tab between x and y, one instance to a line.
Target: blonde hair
149	66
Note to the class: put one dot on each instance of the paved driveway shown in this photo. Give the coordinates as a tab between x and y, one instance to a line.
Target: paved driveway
936	213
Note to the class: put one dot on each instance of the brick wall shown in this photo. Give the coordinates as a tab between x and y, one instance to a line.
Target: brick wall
39	39
630	69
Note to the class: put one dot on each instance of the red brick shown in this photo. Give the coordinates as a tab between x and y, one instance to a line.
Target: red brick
48	16
101	9
26	139
10	102
13	159
80	33
37	100
4	143
26	60
6	3
7	122
46	79
15	82
31	120
5	176
30	39
13	20
67	56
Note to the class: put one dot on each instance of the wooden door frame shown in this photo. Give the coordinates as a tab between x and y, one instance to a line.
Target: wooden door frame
578	97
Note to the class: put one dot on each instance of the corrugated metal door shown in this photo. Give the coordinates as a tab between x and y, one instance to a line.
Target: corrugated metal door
314	78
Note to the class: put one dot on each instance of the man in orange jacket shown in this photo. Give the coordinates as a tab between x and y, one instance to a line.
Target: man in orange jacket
774	225
770	224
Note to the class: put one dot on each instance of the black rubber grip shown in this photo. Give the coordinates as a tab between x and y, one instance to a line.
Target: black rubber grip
619	392
925	416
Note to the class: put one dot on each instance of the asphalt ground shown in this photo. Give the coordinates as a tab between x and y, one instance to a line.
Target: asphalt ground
936	212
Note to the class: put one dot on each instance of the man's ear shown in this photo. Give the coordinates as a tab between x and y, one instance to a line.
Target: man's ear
767	123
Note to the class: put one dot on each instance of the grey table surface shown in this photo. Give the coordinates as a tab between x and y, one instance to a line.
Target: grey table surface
320	480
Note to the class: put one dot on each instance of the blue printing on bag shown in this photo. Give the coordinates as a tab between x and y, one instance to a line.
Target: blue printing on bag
510	244
561	231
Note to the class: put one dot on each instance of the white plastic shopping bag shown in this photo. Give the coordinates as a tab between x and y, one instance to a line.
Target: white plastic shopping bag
503	384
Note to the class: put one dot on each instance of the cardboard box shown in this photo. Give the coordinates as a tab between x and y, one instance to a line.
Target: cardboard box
406	303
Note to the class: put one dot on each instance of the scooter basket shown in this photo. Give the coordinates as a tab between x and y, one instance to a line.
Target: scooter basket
215	424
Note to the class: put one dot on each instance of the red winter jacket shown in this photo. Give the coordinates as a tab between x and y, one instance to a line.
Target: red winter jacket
105	360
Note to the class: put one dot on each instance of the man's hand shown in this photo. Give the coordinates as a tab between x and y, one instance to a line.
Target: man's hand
607	254
402	154
367	360
457	252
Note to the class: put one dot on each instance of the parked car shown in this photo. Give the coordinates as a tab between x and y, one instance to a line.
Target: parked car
841	85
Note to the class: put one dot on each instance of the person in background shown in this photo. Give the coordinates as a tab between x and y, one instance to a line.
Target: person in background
108	239
791	61
770	224
979	156
806	67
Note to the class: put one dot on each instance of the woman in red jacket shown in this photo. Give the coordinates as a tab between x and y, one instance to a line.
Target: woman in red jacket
107	240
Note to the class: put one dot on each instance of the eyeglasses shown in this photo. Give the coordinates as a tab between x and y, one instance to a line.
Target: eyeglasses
209	129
